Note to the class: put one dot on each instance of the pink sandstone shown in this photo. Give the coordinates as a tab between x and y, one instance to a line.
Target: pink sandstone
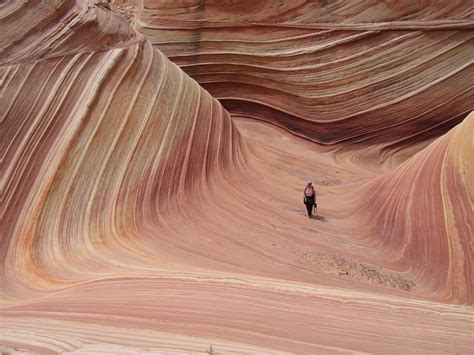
139	213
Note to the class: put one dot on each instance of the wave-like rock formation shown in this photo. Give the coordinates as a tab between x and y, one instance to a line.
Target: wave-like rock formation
331	71
424	211
138	216
96	142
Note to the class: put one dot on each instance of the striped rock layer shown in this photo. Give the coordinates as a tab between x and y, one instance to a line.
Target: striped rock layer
331	71
137	216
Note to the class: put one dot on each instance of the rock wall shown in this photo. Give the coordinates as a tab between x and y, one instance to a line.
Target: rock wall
331	71
139	213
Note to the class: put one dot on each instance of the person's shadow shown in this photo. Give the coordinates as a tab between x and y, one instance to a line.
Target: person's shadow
320	218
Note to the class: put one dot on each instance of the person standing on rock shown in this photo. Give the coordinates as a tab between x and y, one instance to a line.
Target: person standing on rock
310	198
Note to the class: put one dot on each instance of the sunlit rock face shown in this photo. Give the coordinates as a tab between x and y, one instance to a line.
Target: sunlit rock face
139	213
331	71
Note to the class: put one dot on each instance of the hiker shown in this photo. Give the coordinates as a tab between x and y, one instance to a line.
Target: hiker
310	199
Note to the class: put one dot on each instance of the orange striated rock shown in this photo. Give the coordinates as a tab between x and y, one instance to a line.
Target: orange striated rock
138	216
330	71
422	211
101	131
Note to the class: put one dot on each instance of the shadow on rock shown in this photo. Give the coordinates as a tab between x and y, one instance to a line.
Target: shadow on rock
320	218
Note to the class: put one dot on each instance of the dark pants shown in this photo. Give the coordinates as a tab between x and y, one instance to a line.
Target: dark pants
309	202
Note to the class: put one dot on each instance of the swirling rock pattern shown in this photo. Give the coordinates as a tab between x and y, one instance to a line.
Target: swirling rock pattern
138	216
331	71
97	135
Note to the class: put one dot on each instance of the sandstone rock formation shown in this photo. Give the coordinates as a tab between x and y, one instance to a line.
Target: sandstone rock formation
139	214
331	71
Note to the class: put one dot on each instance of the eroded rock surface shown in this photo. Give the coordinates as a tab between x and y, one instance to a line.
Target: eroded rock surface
331	71
141	214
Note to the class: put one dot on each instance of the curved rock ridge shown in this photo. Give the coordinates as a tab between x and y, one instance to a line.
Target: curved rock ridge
137	216
95	143
48	29
331	71
428	223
